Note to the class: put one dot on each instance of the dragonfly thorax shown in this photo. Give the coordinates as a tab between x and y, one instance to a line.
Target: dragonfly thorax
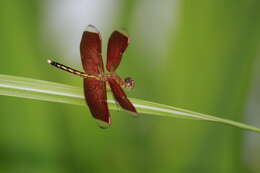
127	82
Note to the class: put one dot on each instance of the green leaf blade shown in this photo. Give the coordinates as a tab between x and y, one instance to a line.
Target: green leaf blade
55	92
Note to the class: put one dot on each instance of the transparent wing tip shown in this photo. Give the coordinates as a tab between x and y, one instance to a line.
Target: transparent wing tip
103	124
123	32
134	114
92	28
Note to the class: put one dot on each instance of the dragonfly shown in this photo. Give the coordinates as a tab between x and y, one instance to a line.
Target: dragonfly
96	81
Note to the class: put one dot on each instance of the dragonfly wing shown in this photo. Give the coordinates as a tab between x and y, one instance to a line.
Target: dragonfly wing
117	44
120	96
90	51
96	98
94	89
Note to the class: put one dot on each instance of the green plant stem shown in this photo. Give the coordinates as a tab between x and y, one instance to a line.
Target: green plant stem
55	92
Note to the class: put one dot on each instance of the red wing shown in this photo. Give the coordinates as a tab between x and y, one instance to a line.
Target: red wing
96	98
90	50
117	44
120	96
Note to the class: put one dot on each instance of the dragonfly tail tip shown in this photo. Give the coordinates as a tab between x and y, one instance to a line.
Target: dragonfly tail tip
49	61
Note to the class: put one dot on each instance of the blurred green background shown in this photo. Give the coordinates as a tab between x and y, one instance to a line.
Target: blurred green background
199	55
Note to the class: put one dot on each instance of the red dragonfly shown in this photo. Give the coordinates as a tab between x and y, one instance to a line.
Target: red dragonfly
95	80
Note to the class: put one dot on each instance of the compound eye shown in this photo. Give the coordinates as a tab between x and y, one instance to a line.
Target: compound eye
130	83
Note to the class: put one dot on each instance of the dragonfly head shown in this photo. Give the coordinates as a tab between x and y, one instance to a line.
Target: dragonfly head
129	83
